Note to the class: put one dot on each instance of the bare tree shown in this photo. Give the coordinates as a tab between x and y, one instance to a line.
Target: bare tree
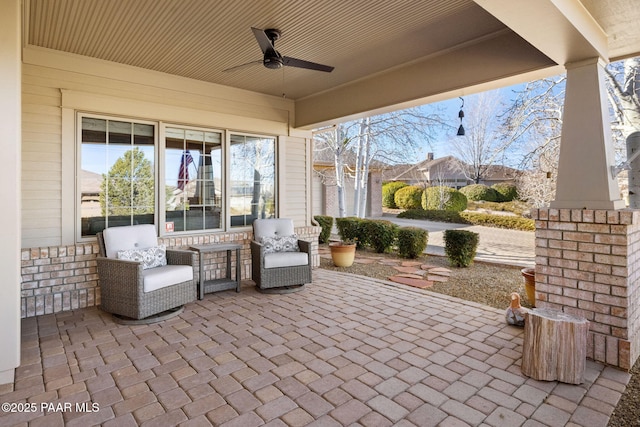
484	143
391	138
624	96
335	141
535	119
386	138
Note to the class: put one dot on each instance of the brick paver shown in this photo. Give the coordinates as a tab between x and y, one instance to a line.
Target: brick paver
346	350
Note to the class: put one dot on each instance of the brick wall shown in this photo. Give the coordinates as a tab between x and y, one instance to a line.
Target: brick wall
588	264
65	278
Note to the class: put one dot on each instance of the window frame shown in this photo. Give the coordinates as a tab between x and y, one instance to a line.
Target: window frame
78	168
162	222
159	172
276	173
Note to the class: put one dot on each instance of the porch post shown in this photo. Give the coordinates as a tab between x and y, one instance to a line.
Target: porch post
584	179
586	243
10	143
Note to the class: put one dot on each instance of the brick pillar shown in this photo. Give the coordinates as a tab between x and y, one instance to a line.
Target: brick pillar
588	264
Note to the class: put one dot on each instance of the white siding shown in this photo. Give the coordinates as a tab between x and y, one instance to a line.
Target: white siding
294	182
55	85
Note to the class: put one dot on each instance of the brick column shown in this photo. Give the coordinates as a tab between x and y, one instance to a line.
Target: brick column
588	264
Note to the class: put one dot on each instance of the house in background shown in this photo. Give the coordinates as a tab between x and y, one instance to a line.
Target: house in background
448	171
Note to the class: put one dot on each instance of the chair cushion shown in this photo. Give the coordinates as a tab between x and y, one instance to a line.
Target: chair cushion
160	277
129	237
285	259
280	244
272	227
152	257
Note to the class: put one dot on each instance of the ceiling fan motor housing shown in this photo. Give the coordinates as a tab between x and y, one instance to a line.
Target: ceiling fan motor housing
273	61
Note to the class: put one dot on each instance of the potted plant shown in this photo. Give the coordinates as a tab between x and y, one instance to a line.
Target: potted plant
343	252
529	275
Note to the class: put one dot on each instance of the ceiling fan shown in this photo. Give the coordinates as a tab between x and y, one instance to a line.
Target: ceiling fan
273	59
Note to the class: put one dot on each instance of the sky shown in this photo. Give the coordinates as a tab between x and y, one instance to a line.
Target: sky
449	111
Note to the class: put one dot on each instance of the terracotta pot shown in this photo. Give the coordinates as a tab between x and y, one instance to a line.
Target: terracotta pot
529	275
343	254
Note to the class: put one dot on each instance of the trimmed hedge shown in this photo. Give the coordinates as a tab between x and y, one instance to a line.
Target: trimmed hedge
381	234
412	241
445	198
389	191
499	221
479	192
516	206
326	222
460	247
409	197
507	191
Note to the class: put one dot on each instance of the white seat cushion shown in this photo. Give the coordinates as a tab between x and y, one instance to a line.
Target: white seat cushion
285	259
272	227
159	277
129	237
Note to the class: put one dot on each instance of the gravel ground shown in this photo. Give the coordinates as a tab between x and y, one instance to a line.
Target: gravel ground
492	284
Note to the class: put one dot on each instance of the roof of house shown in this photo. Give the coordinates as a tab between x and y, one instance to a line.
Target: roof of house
448	164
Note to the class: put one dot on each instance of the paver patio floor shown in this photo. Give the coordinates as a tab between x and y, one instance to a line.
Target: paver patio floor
347	350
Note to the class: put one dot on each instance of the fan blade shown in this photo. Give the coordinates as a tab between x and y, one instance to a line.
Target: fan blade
241	66
300	63
263	40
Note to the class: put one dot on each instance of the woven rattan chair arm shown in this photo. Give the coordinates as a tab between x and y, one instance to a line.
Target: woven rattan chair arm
181	257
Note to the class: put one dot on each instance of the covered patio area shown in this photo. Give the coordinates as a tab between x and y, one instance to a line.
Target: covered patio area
348	350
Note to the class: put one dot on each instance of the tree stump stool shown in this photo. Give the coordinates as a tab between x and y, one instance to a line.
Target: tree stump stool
555	346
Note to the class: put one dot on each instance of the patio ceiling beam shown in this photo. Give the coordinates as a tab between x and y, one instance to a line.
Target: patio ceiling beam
496	61
561	29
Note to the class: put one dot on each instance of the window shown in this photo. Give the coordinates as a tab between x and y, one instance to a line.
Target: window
207	179
252	171
193	179
117	177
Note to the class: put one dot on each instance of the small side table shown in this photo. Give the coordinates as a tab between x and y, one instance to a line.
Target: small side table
215	285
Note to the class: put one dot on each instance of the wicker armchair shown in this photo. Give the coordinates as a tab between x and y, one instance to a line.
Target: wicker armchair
279	262
131	291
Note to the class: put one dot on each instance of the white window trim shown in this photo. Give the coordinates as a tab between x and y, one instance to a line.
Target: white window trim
276	177
162	176
73	221
77	217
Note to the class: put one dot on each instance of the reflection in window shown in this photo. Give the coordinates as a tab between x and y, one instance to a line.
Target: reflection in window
193	179
117	174
252	179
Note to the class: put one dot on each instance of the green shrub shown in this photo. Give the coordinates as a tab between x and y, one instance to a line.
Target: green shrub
388	193
350	229
412	241
433	215
499	221
444	198
409	197
517	207
475	218
507	191
460	247
381	234
326	222
479	192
